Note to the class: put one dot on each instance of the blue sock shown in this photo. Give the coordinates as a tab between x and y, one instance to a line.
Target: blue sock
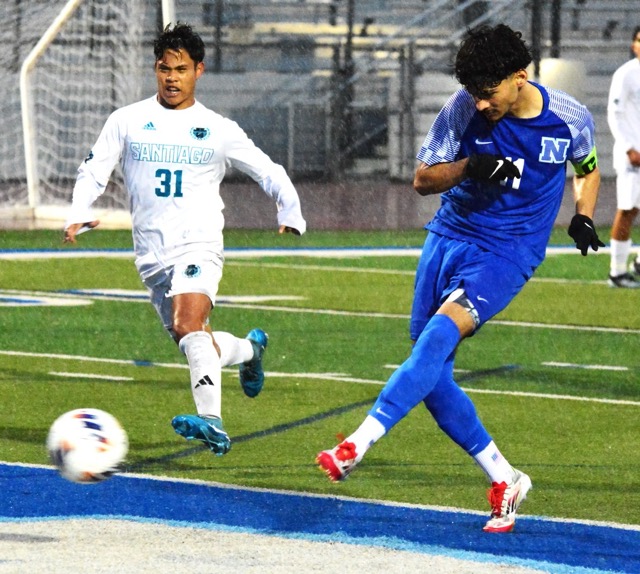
456	414
418	375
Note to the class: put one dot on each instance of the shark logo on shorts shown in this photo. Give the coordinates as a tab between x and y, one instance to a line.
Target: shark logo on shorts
192	271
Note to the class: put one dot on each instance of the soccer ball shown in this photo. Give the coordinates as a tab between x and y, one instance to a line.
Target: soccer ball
87	445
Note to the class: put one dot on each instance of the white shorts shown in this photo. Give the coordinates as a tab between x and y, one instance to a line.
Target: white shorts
628	189
193	273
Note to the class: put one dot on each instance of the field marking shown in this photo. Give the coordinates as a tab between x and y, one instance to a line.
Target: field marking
317	376
245	302
250	252
90	376
556	326
302	267
299	267
438	530
240	302
578	366
15	298
555	397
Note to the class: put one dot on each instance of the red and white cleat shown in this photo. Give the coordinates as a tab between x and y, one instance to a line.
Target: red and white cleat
505	499
338	462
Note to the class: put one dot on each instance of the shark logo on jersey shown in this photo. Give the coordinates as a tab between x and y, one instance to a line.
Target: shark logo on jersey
200	133
554	150
89	157
192	271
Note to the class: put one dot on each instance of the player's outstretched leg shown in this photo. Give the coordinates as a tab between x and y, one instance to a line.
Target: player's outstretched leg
505	499
251	373
338	462
208	430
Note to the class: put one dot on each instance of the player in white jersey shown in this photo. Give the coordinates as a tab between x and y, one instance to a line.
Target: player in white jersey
623	114
174	153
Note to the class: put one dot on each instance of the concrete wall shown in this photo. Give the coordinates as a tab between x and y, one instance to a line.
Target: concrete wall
367	205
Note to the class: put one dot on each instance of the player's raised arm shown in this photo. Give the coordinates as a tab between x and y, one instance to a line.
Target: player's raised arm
433	179
441	177
244	155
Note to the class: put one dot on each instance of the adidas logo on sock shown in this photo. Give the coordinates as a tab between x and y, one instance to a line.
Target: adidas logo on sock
149	126
206	380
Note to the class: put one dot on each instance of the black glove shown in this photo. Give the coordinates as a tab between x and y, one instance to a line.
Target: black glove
493	168
583	232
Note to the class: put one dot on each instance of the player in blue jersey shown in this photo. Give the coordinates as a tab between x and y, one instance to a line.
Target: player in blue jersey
497	152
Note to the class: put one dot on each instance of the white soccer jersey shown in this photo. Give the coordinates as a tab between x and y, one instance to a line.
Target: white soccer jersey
623	112
173	162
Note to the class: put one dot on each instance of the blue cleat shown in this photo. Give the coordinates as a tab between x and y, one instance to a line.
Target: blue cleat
251	373
208	430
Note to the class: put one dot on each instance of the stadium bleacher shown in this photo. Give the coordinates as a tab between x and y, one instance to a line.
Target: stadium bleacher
346	88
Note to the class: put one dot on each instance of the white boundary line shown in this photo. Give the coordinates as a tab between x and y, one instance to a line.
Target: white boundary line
249	253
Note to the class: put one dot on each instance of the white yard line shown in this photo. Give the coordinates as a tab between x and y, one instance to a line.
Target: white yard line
589	367
316	376
411	273
68	375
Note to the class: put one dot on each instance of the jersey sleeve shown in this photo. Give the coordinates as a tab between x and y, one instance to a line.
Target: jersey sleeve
585	157
245	156
94	172
579	120
443	140
617	119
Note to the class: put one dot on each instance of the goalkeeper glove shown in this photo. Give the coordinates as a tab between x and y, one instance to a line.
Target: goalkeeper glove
493	168
583	232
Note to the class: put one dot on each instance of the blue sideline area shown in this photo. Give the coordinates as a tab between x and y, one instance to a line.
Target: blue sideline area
38	493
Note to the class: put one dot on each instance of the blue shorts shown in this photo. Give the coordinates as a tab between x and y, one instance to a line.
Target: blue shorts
489	281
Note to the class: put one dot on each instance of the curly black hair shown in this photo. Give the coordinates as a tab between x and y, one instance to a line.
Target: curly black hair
488	55
180	37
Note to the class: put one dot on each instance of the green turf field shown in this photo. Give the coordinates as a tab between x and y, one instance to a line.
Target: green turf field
555	377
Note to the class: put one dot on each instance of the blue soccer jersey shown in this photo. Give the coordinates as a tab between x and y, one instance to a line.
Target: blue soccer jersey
513	218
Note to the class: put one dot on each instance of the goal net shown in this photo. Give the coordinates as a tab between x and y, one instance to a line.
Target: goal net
92	65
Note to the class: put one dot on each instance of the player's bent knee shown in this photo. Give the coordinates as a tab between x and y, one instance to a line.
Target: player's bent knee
459	297
180	330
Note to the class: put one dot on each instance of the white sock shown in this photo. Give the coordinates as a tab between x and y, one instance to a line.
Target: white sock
233	350
206	372
619	255
368	433
494	465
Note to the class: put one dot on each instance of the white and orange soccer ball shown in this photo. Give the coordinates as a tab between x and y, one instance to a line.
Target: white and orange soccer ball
87	445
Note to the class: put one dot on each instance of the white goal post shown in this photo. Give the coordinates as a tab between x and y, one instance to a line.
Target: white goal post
26	102
75	61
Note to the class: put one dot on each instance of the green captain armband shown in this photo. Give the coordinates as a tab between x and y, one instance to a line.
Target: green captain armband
587	165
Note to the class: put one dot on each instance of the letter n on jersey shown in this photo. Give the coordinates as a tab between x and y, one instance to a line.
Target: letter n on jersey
554	150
